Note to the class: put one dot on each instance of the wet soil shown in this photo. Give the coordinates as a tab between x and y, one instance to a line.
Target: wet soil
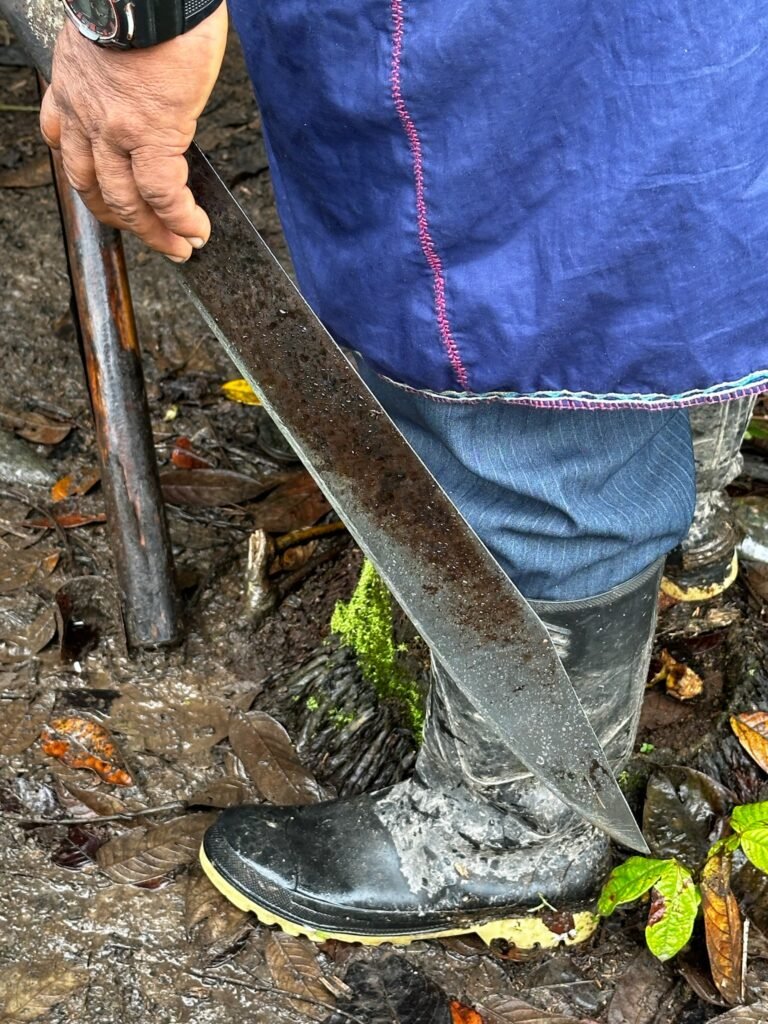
142	950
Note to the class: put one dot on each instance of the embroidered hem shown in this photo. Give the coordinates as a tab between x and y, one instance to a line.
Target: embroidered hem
752	384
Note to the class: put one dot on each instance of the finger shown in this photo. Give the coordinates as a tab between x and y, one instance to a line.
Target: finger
114	173
77	162
50	120
161	179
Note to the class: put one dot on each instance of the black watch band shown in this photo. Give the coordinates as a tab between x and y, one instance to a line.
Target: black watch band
136	24
156	21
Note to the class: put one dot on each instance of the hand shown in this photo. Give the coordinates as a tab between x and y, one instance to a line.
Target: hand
123	120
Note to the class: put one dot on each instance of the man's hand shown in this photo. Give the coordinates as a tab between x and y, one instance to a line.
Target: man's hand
124	119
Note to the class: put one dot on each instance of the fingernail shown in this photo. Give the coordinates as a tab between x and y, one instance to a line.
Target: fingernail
196	243
177	259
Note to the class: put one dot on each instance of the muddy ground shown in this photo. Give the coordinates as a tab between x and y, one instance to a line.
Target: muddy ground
145	939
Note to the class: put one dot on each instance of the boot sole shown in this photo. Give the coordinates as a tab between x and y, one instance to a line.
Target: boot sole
680	592
525	932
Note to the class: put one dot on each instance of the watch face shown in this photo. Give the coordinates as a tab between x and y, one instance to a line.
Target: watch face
97	18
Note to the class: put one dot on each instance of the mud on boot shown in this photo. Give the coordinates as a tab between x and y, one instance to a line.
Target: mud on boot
473	842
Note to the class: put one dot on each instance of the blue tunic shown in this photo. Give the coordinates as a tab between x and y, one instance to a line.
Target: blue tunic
561	203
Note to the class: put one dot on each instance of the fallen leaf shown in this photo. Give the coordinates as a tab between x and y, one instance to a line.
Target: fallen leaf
183	456
19	567
751	728
392	991
35	427
66	520
79	802
35	637
755	1014
461	1014
21	720
190	730
680	681
240	391
30	990
641	989
294	504
209	488
78	850
293	966
81	743
271	761
212	923
683	811
724	928
142	854
32	174
223	793
75	484
497	1009
260	595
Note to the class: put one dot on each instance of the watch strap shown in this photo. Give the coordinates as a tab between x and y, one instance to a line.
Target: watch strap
161	20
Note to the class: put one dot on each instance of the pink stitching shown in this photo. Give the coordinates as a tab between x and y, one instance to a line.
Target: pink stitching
425	238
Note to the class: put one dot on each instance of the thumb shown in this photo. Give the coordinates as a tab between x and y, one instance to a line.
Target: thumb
50	120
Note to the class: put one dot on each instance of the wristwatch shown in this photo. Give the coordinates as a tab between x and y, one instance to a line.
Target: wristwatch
128	24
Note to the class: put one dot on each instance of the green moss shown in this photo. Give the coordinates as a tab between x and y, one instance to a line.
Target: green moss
312	703
365	623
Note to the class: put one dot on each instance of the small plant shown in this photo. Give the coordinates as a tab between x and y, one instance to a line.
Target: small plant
366	624
675	897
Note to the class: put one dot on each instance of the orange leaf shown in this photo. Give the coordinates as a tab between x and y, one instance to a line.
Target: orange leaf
74	484
461	1014
724	928
751	730
183	456
81	743
68	521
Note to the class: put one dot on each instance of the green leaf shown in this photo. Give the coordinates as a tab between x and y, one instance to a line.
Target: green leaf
674	905
629	881
748	816
724	846
754	843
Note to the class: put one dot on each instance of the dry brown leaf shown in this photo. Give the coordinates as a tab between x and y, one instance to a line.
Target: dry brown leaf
209	488
223	793
212	923
724	929
19	567
34	637
497	1009
79	802
192	729
35	427
30	990
294	504
294	968
21	721
751	730
292	558
75	484
271	761
141	855
82	743
680	681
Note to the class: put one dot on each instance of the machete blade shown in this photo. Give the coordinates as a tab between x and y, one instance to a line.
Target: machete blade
483	631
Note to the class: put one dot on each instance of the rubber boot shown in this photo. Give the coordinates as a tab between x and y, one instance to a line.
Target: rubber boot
473	842
705	564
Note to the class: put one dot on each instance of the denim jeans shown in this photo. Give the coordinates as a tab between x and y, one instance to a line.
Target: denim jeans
571	503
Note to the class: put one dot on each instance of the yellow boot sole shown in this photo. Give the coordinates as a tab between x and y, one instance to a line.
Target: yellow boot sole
526	932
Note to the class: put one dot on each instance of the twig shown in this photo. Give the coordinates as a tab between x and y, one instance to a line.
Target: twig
226	980
121	816
288	540
18	108
286	585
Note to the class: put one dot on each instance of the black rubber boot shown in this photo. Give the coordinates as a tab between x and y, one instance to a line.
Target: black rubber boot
705	564
473	842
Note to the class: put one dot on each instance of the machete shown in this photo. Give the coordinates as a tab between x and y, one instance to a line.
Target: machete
459	599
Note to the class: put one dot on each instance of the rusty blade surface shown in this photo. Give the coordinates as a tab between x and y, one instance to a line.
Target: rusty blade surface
483	631
479	625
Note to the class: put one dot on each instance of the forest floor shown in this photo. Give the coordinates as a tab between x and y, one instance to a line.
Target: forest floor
102	916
